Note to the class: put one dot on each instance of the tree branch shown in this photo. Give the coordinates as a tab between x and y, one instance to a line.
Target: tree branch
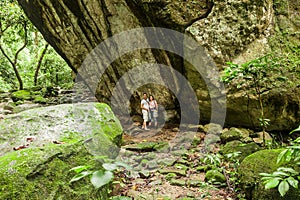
24	45
40	63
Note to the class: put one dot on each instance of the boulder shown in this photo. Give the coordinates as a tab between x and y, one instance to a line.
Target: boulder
21	95
236	134
213	128
36	173
58	123
263	161
48	142
229	30
215	176
237	146
259	139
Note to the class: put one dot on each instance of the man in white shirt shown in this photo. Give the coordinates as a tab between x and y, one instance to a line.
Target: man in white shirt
145	111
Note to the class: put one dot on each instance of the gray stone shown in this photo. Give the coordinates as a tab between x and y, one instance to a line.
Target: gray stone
260	136
167	161
156	182
212	128
170	176
171	170
211	139
178	182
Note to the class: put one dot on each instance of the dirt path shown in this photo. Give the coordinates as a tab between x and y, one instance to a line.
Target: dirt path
159	172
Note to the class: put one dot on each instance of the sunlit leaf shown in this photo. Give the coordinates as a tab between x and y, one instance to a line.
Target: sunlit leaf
80	168
283	187
281	157
80	176
110	166
297	129
101	178
293	182
271	183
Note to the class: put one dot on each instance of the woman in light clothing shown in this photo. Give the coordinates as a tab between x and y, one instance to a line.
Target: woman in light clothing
153	110
145	111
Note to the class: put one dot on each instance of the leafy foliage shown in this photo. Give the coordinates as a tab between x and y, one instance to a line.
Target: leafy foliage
100	177
21	48
255	77
285	177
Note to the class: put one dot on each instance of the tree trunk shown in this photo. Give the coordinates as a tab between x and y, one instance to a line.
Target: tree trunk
75	28
39	64
14	61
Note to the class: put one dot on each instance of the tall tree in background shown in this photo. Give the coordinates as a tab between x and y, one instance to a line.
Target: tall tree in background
26	59
11	19
39	64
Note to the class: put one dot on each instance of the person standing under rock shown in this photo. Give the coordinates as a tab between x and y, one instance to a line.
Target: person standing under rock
145	111
153	110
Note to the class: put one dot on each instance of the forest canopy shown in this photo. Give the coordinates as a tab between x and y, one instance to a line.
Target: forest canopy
26	59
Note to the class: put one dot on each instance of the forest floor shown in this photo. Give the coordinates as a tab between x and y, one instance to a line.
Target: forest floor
164	173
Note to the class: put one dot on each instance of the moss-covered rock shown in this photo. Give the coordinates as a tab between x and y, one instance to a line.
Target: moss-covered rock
21	95
65	136
235	134
36	173
215	176
261	162
237	146
39	99
84	121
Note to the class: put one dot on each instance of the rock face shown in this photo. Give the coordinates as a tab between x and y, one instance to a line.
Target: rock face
56	139
231	30
59	123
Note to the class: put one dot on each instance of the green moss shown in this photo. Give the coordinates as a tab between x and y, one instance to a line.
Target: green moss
35	173
230	135
39	99
39	172
21	95
237	146
215	176
261	162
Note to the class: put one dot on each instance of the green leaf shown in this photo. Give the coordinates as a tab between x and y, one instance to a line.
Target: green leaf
293	182
287	169
297	129
281	157
101	178
80	176
279	173
121	164
110	166
283	187
266	174
271	183
80	168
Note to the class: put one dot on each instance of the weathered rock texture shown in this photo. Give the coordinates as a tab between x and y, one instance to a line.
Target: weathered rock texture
43	168
231	30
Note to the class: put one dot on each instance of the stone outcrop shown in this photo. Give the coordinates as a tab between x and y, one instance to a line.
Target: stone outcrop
231	30
50	141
